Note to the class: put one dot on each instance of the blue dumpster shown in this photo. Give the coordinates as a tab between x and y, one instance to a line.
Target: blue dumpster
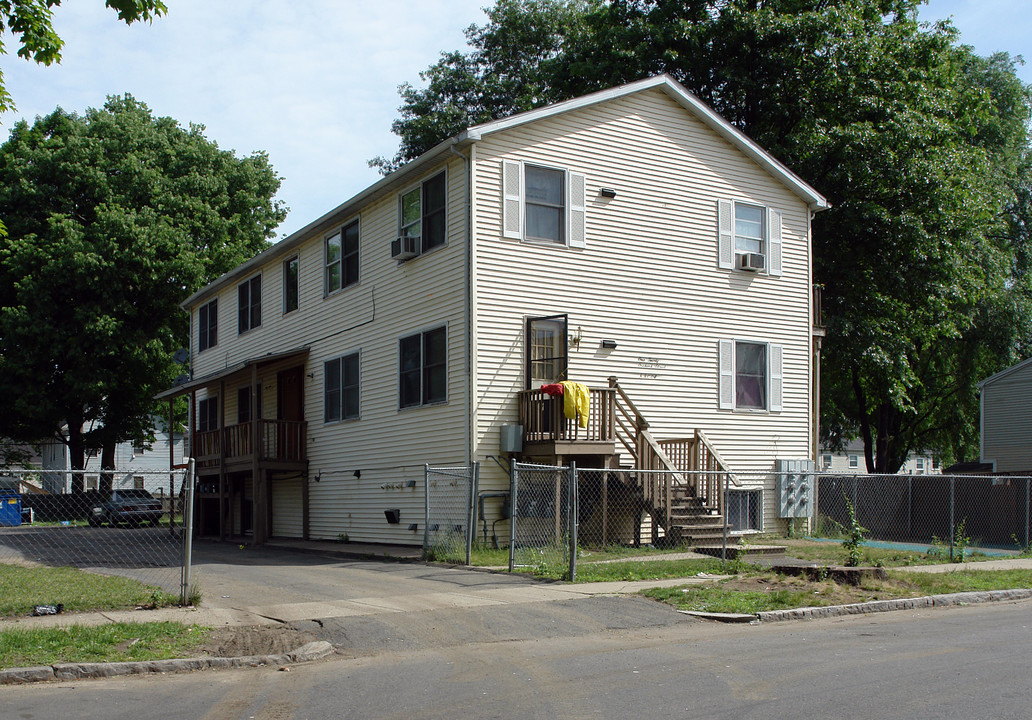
10	509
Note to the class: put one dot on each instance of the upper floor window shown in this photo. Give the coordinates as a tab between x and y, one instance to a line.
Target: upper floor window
291	291
750	375
854	461
423	368
249	304
748	237
208	325
342	257
543	204
341	389
423	213
825	461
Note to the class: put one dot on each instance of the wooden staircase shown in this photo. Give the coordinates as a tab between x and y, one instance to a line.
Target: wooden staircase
681	481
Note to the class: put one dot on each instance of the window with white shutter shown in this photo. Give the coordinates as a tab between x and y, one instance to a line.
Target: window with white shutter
750	375
748	237
543	204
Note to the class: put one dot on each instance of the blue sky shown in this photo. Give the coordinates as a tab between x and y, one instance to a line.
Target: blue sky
311	82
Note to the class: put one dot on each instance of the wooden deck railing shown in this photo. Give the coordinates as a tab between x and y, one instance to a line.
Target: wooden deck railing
278	440
542	418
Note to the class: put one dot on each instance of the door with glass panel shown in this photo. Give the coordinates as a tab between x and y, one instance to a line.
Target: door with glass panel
546	350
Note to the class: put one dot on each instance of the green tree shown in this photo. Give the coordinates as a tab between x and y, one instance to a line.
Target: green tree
919	144
32	22
114	217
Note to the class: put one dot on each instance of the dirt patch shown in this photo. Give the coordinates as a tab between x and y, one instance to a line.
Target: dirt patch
236	641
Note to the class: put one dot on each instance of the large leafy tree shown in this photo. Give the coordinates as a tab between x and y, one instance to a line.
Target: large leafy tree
919	144
114	216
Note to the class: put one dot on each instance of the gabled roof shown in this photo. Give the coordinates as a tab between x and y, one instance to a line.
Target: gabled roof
402	175
1004	373
685	99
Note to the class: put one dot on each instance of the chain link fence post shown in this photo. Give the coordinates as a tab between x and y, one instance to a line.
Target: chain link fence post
188	528
513	489
953	500
571	511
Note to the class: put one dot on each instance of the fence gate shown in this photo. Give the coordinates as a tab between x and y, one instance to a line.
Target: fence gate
449	519
543	531
125	522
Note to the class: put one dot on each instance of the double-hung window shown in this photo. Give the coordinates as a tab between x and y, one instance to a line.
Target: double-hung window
245	413
423	368
249	304
542	204
341	253
208	325
423	213
208	414
291	291
750	376
748	237
341	389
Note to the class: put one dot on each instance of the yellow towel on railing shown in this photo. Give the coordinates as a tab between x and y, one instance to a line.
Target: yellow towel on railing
576	401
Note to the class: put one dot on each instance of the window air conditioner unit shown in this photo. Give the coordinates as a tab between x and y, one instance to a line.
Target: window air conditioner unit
750	261
405	247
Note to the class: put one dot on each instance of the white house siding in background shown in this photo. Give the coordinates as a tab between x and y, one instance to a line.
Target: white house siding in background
386	445
641	268
648	278
1007	419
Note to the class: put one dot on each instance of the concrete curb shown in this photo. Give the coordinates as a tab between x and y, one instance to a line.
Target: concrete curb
950	600
81	671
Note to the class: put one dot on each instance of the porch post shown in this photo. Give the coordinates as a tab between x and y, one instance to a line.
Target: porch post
258	505
224	508
304	505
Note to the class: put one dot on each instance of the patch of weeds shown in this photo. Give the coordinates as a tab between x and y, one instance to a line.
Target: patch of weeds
343	538
941	551
828	527
1024	550
854	537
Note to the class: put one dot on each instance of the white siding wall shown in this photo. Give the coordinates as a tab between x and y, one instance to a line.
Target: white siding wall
1007	421
648	279
387	445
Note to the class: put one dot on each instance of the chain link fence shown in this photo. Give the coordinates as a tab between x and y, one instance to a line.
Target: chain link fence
128	523
450	505
542	533
947	514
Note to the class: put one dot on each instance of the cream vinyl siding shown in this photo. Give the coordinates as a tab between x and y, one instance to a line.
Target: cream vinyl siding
1007	421
647	278
391	300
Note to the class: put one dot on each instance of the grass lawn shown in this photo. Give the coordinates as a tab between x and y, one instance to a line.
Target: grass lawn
21	588
105	643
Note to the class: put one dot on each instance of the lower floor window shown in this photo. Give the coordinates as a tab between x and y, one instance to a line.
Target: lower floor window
745	510
423	368
341	389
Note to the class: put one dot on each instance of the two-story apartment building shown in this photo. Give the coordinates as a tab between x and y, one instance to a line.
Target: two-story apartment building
630	240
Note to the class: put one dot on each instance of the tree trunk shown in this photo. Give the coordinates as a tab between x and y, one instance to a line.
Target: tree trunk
107	463
76	457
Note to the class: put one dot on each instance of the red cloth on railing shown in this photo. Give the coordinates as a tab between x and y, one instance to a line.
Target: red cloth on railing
552	389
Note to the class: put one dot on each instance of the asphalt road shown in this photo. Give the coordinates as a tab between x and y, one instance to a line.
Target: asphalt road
968	662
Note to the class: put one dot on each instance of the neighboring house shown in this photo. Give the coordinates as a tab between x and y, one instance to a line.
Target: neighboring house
136	465
630	240
851	460
1006	420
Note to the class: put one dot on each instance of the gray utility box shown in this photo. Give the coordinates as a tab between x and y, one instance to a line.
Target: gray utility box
794	481
511	439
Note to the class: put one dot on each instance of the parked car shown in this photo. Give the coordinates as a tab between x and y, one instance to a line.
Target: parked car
127	506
